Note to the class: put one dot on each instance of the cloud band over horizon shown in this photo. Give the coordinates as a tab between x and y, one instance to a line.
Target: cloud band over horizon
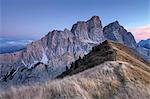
140	33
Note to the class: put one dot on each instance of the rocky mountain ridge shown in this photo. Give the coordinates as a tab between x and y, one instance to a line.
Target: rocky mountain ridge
107	51
145	43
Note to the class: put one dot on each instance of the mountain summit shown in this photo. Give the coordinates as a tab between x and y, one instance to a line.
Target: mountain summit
114	31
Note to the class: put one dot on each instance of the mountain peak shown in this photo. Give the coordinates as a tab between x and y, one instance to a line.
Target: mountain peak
95	22
90	30
95	18
66	30
114	24
114	31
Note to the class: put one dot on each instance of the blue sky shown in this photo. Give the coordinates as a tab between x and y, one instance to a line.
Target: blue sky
32	19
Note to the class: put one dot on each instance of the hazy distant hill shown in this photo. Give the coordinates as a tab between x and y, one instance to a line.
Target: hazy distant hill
145	43
9	46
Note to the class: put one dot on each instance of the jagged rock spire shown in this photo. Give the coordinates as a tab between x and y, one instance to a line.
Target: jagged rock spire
114	31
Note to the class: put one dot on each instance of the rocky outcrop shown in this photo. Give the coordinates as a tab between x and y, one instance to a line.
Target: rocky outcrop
114	31
90	31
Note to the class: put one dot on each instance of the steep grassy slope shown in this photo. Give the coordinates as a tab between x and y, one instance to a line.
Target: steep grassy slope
123	53
107	51
110	80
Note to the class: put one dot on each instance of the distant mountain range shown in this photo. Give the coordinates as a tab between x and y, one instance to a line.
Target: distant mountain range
145	43
69	52
9	46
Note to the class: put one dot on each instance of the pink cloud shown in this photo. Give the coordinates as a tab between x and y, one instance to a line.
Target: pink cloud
141	33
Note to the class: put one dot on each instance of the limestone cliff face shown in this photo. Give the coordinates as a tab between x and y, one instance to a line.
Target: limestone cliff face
114	31
90	30
56	50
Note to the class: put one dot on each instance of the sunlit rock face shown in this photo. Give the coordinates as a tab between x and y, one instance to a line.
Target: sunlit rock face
56	50
90	31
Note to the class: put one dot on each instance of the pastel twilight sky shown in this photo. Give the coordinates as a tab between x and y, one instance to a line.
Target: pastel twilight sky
32	19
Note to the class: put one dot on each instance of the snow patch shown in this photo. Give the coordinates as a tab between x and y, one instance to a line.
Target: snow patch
24	63
31	65
90	41
118	36
44	57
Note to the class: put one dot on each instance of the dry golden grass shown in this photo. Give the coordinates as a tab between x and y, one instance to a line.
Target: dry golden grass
136	74
129	55
110	80
107	51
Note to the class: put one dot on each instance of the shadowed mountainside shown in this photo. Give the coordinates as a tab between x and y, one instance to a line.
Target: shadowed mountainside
145	43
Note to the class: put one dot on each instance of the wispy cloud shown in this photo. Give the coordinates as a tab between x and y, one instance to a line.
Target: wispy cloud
141	33
4	42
